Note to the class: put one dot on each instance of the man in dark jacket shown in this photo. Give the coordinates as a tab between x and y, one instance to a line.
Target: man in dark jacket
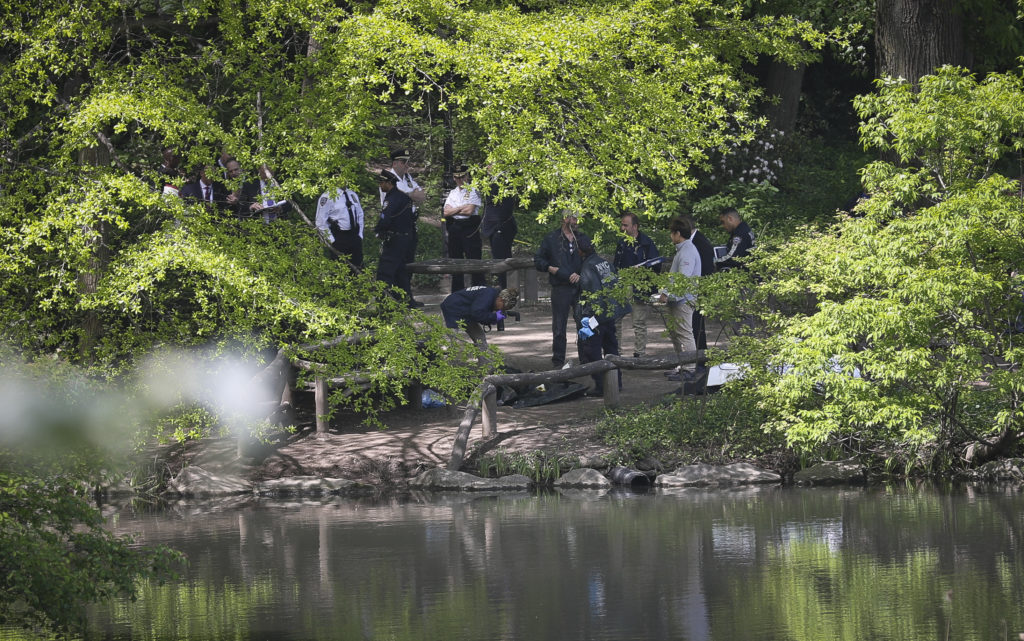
559	256
205	190
707	266
476	306
741	239
596	314
397	231
633	250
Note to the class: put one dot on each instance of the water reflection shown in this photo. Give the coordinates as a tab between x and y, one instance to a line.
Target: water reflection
769	563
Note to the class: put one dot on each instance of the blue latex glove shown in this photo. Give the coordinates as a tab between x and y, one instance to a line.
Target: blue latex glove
585	332
500	314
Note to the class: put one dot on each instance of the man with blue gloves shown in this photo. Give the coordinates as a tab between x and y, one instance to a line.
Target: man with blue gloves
476	306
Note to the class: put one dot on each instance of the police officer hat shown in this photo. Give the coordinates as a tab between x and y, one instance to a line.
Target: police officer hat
460	170
387	176
402	154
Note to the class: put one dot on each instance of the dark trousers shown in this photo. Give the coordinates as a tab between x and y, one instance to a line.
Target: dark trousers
563	300
405	281
604	341
394	254
349	244
700	336
501	247
464	242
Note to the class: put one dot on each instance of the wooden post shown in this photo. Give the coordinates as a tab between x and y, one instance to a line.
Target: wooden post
611	388
462	434
528	283
320	397
489	411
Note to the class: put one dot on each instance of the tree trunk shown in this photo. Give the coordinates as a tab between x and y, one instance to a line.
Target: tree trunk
782	85
914	37
89	279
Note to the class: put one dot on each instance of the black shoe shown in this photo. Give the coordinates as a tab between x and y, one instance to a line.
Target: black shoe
638	355
557	364
413	303
593	392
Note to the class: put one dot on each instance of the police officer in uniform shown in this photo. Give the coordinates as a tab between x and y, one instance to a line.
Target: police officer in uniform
340	218
397	231
462	222
405	183
741	239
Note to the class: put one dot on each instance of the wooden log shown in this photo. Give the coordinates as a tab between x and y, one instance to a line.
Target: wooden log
489	412
469	265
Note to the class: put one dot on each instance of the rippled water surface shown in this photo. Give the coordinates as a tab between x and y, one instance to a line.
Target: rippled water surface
777	563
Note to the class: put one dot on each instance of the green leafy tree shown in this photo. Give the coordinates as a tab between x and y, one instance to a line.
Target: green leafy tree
895	328
594	106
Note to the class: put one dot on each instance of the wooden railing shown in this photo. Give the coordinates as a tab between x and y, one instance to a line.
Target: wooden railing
609	366
525	273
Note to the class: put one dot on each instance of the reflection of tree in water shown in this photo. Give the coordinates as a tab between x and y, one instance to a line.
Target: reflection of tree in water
695	564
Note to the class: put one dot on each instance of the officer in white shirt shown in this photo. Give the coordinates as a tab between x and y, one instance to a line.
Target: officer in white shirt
462	222
404	180
340	218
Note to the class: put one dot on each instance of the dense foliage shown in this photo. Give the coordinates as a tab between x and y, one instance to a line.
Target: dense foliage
596	106
893	331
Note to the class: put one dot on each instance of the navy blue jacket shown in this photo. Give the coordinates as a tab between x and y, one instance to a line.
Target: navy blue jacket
628	254
596	274
397	215
740	243
470	304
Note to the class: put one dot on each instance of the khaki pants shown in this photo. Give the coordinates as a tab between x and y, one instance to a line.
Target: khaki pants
680	329
641	312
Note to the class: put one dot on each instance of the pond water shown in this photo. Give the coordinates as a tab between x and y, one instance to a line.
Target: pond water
901	563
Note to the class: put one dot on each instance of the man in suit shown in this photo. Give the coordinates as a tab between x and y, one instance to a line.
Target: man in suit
254	200
205	190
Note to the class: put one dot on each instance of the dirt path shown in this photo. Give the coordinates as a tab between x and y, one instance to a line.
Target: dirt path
422	438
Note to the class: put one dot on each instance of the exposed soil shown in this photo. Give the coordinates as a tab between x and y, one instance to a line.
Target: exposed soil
417	439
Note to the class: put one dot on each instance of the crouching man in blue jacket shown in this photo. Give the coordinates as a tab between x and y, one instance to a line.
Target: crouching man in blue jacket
476	306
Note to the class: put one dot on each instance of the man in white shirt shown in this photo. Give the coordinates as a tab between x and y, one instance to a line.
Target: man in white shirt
686	262
462	222
404	180
340	218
